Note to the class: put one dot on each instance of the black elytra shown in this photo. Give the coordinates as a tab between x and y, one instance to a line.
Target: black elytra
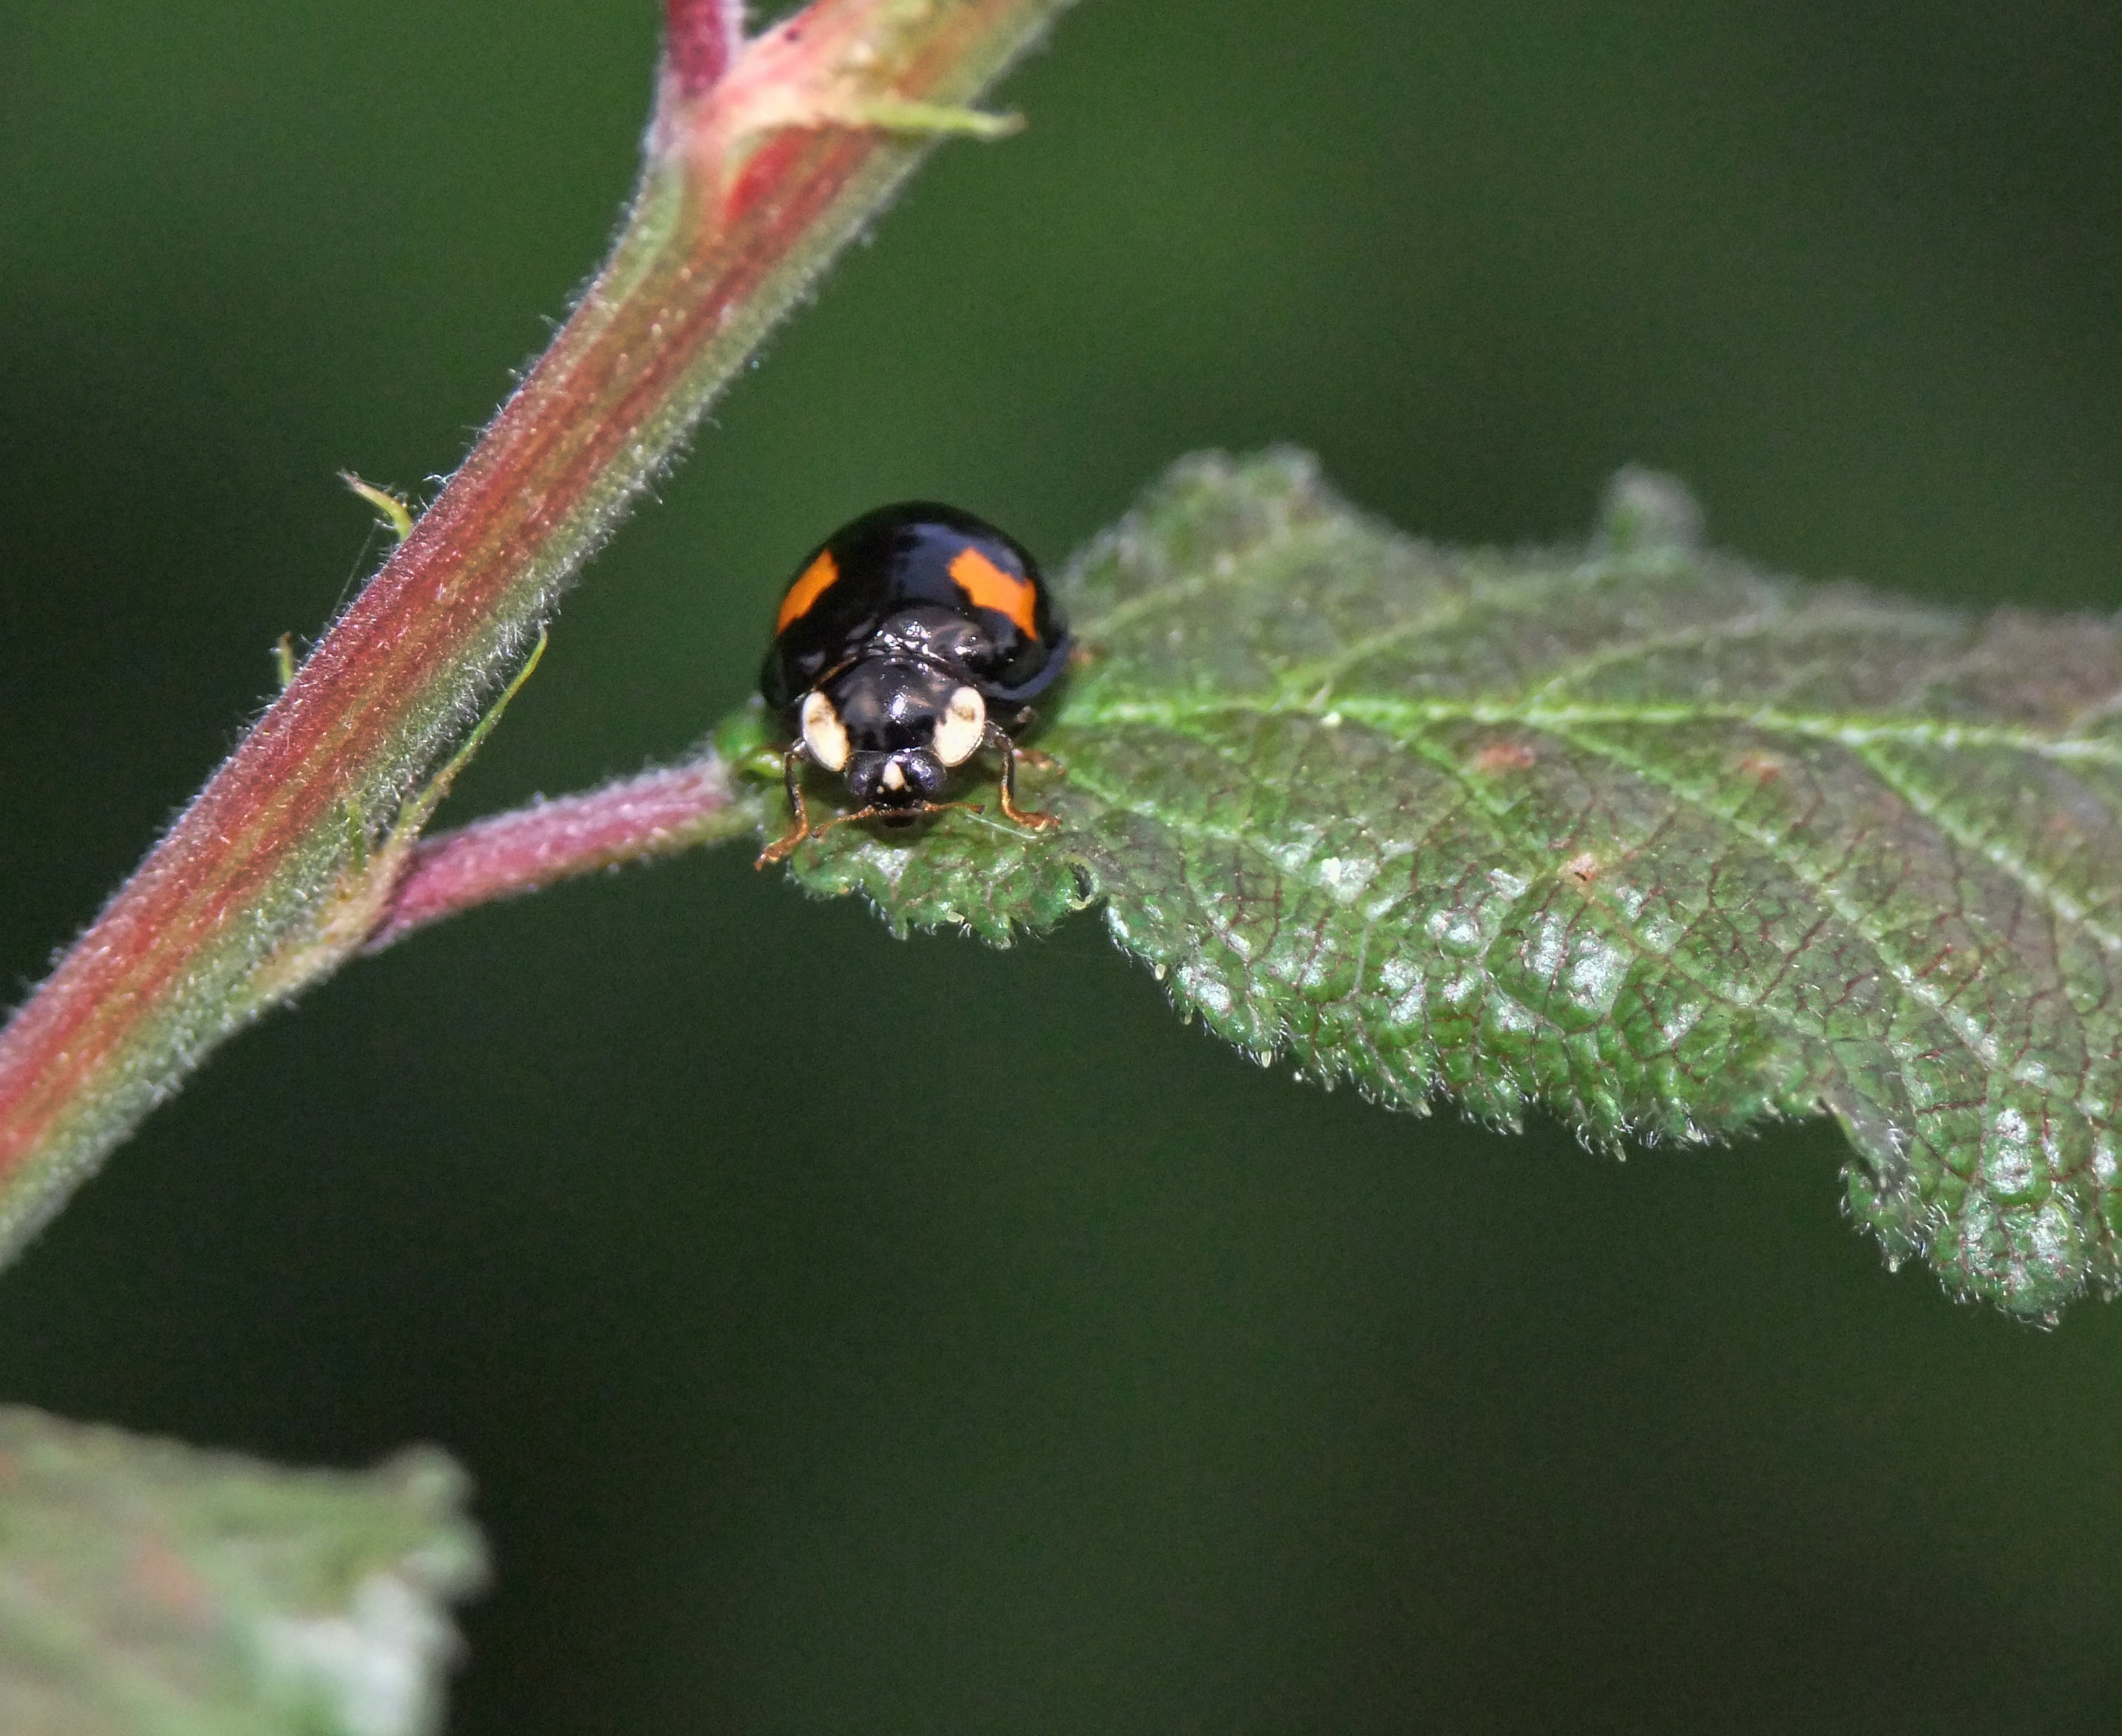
912	638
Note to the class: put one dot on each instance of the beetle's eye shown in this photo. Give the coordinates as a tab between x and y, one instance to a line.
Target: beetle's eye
824	733
959	730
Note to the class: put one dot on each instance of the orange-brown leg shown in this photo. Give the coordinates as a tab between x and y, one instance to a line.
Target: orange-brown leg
1009	751
923	809
799	816
1030	756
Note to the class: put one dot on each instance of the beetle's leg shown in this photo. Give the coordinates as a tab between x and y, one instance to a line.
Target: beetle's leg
919	810
860	813
799	816
1025	718
1000	741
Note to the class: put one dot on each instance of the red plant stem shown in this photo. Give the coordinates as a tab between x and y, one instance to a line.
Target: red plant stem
701	41
656	814
270	878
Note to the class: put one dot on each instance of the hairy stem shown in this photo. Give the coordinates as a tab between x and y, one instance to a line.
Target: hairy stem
764	156
658	813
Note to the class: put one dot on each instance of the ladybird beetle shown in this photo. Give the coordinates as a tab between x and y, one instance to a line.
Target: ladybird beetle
912	638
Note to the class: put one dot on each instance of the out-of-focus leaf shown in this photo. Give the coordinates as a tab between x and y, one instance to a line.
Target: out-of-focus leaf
148	1588
1626	830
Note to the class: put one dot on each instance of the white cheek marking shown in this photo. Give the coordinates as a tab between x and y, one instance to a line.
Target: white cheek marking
893	777
824	733
958	734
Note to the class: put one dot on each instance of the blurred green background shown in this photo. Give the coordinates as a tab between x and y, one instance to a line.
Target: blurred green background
1125	1387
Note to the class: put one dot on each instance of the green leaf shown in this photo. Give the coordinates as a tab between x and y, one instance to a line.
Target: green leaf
1626	832
153	1589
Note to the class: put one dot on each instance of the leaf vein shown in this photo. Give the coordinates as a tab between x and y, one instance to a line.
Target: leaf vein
1391	714
1981	1042
2059	903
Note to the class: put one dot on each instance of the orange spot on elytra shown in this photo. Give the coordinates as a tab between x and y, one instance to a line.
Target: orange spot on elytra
812	583
1501	756
988	586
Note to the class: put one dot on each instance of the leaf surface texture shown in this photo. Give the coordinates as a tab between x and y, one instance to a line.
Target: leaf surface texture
1627	831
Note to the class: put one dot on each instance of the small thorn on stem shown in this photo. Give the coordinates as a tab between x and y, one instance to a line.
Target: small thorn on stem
702	40
390	506
772	110
890	115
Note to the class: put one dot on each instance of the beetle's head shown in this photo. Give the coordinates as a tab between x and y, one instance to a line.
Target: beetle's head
894	727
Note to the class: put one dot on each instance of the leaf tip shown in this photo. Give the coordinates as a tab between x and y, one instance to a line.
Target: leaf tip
1647	511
